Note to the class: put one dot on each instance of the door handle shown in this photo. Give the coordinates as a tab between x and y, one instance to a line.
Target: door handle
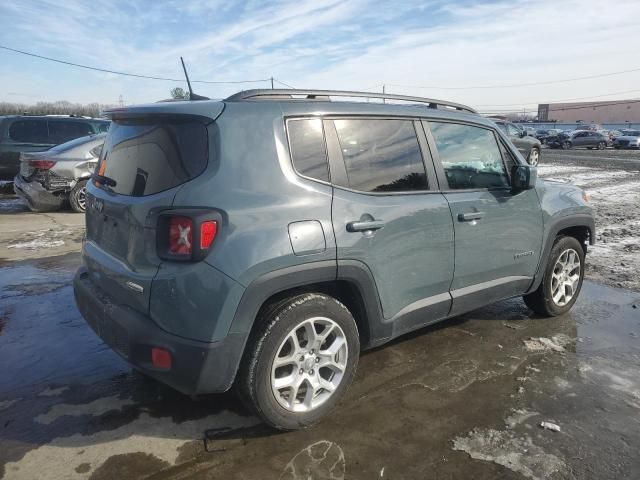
364	225
468	217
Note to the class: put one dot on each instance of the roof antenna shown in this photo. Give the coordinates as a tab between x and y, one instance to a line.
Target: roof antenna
192	96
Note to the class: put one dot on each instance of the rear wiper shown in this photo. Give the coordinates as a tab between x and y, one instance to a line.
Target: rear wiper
109	182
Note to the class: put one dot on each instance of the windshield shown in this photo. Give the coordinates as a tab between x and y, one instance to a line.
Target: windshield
63	147
148	156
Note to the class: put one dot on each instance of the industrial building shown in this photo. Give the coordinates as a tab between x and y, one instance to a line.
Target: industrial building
610	111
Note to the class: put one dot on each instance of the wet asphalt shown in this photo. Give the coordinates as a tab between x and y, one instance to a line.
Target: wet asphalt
463	399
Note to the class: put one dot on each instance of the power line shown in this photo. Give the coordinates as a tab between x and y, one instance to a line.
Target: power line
515	85
282	83
128	74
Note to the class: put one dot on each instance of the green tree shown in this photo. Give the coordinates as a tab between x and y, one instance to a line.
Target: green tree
178	93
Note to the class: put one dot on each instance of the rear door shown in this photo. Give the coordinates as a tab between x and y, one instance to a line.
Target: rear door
388	214
498	234
149	159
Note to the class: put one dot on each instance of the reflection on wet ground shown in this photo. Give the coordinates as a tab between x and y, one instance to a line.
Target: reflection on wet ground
463	399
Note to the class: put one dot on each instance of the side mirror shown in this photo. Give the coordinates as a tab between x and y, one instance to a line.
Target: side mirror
523	177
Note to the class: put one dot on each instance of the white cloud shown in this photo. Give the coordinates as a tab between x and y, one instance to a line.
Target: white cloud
334	44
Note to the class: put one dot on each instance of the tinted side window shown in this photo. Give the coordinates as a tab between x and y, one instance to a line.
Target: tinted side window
513	130
470	156
308	152
62	131
29	131
381	155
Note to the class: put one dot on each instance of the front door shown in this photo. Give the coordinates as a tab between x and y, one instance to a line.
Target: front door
498	234
388	214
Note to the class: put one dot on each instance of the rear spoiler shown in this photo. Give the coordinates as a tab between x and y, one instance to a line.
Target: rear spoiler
209	110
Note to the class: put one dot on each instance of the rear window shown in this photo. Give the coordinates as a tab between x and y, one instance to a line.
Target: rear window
29	131
61	131
148	156
306	139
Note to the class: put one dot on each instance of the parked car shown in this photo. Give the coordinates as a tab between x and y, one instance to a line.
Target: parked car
257	242
543	134
613	134
30	133
528	146
48	179
629	139
579	139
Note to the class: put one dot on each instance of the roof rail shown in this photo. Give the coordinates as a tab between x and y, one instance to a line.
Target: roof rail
324	95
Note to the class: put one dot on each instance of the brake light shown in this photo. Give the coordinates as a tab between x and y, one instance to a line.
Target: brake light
180	235
208	230
161	358
41	164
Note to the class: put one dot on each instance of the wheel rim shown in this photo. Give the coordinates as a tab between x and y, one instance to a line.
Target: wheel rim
309	364
567	145
533	157
82	198
601	146
565	278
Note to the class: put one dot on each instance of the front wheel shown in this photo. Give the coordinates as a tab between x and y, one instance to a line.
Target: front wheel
300	362
78	197
566	145
534	157
562	279
601	145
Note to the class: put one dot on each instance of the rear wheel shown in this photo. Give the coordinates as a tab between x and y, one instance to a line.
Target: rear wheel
562	279
78	197
300	362
534	156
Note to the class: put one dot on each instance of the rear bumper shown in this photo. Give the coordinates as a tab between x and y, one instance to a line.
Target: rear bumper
197	367
37	197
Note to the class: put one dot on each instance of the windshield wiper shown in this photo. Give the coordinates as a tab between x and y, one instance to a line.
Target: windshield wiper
108	181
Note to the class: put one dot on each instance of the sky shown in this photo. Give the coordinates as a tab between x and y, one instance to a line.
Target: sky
436	48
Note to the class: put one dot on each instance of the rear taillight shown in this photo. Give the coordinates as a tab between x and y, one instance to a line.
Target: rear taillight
180	235
41	164
187	235
208	230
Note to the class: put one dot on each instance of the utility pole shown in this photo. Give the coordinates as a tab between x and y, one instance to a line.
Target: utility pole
271	83
384	88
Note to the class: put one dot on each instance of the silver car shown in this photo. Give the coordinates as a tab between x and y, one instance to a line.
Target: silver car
47	179
628	139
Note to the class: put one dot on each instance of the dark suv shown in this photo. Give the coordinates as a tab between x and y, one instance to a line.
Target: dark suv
266	239
27	133
528	145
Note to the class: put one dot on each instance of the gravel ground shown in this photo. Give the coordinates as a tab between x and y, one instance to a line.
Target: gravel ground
612	180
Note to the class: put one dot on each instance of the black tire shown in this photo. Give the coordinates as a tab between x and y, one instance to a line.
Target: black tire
602	145
254	378
78	197
589	148
541	301
567	145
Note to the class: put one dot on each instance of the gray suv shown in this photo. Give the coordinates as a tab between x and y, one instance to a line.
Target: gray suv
264	240
528	145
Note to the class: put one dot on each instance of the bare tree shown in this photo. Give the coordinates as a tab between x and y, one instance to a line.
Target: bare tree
61	107
178	93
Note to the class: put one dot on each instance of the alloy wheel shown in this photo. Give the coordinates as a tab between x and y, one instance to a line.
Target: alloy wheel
82	198
565	277
309	365
534	157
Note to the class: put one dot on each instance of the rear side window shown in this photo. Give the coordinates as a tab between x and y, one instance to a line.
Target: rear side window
29	131
381	155
148	156
306	140
62	131
470	156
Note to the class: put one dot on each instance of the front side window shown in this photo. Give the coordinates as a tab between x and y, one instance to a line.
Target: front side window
381	155
470	156
306	140
513	130
29	131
